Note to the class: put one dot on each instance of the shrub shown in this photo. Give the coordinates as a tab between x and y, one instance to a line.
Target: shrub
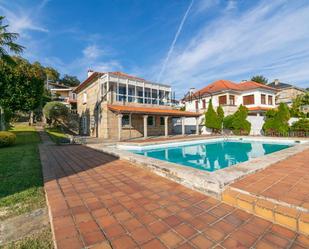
237	122
212	119
228	121
7	138
301	125
277	122
55	112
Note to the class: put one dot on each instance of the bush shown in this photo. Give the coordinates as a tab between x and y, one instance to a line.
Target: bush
7	138
277	120
301	125
237	122
228	122
55	112
213	120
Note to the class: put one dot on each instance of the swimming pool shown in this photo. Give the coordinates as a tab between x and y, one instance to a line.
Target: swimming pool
211	155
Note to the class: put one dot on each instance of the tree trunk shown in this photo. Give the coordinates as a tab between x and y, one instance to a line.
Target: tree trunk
31	118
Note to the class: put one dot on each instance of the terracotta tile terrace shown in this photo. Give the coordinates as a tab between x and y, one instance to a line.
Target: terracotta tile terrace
99	201
279	193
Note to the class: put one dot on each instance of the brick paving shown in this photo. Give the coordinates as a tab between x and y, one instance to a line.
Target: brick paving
286	181
279	193
98	201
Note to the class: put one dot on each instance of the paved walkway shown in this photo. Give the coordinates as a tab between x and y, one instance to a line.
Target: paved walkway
98	201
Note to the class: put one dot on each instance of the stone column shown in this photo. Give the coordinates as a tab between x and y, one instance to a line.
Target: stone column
183	126
166	126
145	126
197	125
119	126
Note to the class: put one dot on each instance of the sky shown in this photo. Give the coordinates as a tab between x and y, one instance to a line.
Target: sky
184	43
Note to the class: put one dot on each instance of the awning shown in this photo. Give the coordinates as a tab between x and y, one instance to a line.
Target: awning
259	108
151	111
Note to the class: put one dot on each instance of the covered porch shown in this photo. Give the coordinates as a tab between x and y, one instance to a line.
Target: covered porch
142	122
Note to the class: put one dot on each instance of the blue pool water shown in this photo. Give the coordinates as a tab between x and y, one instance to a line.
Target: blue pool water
211	156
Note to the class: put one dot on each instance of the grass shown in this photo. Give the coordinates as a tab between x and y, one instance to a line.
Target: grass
41	240
21	182
56	135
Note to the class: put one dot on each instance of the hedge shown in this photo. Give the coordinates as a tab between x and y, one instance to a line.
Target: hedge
7	138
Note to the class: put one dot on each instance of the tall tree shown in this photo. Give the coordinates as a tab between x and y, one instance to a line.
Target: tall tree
212	120
52	74
69	80
21	86
7	43
259	79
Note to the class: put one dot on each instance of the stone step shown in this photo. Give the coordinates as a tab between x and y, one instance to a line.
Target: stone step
282	213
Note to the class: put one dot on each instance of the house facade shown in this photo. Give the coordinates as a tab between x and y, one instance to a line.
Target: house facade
286	92
118	106
258	98
63	94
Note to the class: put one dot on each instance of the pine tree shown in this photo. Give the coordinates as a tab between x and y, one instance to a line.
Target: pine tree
212	119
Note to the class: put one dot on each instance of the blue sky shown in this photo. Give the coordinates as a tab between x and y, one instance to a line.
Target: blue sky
184	43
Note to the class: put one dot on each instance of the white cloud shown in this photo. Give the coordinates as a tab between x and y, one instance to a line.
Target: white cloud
264	39
22	20
92	52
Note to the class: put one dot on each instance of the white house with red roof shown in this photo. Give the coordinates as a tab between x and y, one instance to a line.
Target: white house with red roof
258	98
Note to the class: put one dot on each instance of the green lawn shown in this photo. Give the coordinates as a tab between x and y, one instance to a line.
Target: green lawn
21	183
41	240
56	135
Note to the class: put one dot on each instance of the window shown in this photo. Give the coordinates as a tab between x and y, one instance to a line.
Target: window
84	98
263	99
196	105
204	103
151	121
222	100
270	100
232	99
73	95
122	90
248	100
162	121
126	120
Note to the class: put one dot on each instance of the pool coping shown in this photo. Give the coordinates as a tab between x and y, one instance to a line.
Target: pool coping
211	183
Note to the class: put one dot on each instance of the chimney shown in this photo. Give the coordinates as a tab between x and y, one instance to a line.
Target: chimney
276	82
192	90
89	73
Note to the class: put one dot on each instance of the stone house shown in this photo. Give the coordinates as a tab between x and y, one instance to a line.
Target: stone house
118	106
286	92
63	94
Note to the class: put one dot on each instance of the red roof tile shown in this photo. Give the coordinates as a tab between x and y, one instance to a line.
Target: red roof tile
151	110
87	81
218	86
222	85
94	75
248	85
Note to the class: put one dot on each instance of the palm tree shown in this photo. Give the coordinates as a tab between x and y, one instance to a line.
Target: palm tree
7	43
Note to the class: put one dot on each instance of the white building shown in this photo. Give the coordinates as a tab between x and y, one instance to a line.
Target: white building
258	98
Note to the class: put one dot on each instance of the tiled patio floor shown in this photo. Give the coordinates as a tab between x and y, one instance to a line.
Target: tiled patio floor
287	181
170	138
279	193
97	201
